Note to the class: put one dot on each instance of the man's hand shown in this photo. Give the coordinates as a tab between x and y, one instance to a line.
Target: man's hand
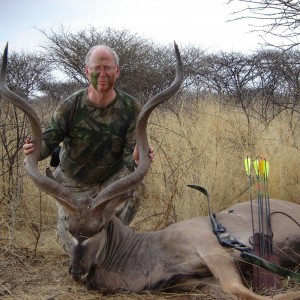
28	146
136	156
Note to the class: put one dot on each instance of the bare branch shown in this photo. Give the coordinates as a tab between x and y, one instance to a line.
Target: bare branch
276	18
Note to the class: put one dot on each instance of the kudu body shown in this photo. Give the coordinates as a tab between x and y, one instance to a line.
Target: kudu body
112	257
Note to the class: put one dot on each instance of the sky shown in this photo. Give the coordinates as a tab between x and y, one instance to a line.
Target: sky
202	23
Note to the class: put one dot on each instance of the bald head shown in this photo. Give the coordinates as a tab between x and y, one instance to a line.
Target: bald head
101	47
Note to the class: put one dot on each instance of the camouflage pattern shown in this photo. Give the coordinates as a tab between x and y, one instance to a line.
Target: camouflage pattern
97	148
97	141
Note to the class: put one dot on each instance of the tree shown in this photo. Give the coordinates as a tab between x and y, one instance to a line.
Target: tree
25	74
277	18
146	68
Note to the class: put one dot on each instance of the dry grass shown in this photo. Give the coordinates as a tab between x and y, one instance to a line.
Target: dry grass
203	144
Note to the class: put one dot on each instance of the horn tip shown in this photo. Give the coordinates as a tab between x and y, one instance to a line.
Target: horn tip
6	48
4	63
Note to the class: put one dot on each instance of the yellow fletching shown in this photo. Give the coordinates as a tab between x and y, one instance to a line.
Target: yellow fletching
266	175
261	164
261	167
247	163
256	167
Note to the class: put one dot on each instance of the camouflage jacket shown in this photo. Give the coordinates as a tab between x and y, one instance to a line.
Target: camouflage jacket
97	141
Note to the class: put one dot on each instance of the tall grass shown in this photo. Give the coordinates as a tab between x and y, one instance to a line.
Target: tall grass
201	143
205	144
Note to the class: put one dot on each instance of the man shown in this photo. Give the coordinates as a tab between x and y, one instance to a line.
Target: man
96	127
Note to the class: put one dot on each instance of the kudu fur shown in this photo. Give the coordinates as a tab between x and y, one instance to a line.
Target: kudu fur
110	256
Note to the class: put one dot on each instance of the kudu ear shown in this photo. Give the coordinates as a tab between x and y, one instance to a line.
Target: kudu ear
107	209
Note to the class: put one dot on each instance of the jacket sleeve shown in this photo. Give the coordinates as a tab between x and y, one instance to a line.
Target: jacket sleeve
57	128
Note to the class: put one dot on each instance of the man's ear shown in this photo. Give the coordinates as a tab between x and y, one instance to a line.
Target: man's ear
118	71
86	71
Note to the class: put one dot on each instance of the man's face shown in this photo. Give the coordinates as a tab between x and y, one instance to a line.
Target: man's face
102	70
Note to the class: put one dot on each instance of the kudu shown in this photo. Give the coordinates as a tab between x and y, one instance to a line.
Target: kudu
110	256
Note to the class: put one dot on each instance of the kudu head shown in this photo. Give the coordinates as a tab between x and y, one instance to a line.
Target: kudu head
86	217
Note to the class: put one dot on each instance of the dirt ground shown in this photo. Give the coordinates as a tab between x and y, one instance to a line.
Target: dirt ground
43	274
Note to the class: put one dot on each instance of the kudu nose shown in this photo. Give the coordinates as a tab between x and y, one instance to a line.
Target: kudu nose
76	272
76	269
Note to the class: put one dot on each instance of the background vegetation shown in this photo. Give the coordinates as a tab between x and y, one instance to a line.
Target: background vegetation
231	105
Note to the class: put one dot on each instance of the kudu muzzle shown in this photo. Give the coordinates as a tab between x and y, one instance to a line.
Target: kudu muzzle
76	270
